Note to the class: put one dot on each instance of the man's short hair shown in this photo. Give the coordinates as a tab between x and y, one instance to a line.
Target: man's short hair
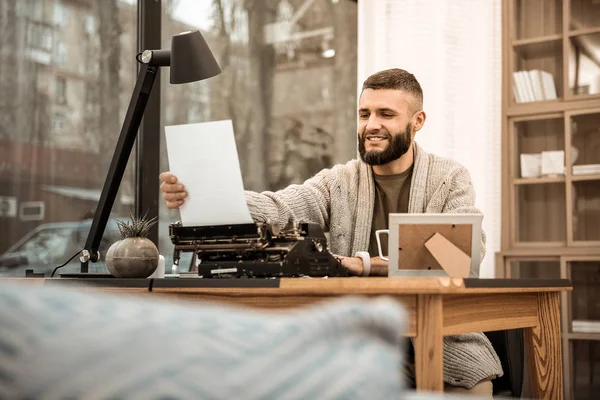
397	79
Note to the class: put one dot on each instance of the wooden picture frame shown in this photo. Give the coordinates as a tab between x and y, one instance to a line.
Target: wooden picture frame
411	231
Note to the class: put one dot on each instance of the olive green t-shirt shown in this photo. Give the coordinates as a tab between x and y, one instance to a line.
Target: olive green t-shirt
391	196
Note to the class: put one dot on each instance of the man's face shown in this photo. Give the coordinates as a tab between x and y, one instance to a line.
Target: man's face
385	129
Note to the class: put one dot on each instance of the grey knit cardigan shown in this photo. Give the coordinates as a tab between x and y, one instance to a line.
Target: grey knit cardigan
341	200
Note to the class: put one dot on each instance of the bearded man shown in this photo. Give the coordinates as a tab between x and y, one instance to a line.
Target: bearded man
351	201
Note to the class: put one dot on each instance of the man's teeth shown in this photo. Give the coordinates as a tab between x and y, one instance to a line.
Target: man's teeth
376	138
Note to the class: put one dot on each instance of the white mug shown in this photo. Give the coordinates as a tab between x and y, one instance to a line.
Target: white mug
377	233
160	269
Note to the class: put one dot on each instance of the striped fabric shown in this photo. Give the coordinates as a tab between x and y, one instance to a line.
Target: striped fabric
68	344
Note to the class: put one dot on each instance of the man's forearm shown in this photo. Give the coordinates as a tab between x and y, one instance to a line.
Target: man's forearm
355	265
379	267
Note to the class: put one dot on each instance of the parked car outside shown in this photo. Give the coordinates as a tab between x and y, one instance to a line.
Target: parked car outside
50	245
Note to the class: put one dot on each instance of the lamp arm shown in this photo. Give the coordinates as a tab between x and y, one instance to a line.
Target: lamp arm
129	130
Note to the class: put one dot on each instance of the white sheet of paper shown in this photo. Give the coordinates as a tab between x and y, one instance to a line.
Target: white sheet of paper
204	158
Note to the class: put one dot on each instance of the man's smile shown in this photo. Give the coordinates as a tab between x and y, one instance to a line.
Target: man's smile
376	140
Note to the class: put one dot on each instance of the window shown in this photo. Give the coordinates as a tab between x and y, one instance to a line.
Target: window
90	24
59	124
8	207
42	142
60	15
32	10
32	210
61	53
91	62
60	90
39	36
281	117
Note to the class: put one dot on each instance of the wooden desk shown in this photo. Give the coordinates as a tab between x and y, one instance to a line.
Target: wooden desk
436	307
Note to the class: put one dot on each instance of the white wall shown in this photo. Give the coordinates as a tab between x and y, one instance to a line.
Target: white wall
454	50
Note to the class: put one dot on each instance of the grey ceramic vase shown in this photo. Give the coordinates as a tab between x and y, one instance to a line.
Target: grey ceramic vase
132	258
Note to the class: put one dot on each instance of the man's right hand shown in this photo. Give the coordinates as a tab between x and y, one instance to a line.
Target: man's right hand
173	192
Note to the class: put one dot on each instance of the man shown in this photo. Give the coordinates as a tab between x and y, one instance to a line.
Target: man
352	201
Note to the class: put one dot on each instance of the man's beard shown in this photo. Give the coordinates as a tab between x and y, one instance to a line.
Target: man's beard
398	145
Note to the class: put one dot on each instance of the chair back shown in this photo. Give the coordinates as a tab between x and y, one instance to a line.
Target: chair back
510	349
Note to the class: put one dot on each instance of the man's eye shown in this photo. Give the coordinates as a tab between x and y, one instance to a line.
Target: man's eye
386	115
364	115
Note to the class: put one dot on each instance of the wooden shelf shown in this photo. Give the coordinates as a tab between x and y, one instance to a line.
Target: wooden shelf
538	181
537	40
555	213
539	47
523	244
550	104
520	250
535	107
586	243
584	31
580	102
586	177
582	336
582	97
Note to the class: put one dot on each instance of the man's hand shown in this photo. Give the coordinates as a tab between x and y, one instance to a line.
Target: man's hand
354	265
174	193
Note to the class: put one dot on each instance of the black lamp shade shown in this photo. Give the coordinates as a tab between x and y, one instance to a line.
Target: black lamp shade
191	58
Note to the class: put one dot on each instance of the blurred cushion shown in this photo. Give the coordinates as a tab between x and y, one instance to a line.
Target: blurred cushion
58	343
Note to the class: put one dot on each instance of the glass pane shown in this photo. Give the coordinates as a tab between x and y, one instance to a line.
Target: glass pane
533	139
585	131
584	14
65	63
586	210
585	368
534	18
540	212
289	97
535	269
538	70
584	65
585	297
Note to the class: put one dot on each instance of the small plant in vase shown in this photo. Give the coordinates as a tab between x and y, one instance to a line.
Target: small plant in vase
134	256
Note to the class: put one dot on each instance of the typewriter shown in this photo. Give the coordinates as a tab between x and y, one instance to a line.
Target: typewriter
255	251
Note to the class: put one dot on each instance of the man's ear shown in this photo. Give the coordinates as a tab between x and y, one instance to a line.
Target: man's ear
419	120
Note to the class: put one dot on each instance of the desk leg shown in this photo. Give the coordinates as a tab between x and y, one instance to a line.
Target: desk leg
429	357
543	345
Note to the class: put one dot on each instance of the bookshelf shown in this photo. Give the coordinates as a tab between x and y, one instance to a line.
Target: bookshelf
551	166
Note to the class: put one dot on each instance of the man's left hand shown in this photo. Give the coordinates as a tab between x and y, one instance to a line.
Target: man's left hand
354	265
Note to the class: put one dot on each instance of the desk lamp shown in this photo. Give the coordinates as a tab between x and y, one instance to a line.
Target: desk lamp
190	60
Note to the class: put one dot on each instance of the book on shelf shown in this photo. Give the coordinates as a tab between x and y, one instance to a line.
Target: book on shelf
534	85
586	169
586	326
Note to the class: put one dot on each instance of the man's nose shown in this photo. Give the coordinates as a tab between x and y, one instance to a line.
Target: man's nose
373	124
